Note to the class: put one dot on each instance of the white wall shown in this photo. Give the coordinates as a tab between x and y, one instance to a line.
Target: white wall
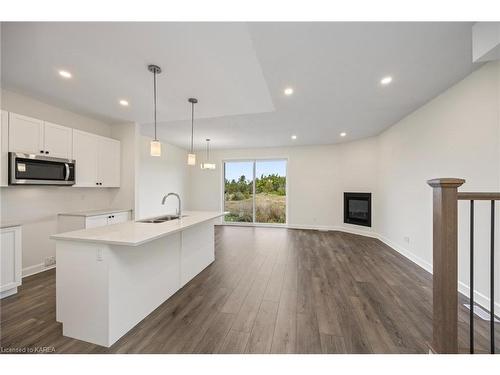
28	106
36	207
157	176
456	134
317	176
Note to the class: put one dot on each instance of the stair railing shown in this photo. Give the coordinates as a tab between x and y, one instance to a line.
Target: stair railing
445	264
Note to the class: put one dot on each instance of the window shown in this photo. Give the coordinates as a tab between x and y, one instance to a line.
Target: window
255	191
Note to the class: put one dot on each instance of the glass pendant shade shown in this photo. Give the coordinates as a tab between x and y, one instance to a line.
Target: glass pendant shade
191	159
191	155
207	165
155	148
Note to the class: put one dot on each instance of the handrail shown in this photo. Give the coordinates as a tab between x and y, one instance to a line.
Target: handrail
445	263
478	196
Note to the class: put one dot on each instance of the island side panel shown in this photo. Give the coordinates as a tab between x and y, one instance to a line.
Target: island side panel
82	291
141	278
198	250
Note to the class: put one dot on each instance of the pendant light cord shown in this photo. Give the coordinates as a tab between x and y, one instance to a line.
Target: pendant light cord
154	94
208	150
192	125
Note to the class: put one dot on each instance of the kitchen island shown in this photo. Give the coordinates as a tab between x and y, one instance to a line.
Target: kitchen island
110	278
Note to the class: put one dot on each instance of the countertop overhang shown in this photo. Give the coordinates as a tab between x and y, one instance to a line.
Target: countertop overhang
133	233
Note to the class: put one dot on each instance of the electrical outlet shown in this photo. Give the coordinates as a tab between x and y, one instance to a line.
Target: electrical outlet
49	261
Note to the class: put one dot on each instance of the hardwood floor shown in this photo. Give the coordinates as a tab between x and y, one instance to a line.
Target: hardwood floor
270	290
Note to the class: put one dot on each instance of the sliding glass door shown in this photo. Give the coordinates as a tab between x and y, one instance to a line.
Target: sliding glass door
238	191
255	191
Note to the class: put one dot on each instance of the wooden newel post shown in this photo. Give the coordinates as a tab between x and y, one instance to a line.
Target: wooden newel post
445	265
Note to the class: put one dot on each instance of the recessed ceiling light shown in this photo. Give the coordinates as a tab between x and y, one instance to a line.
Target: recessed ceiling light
124	103
386	80
65	74
288	91
343	134
294	137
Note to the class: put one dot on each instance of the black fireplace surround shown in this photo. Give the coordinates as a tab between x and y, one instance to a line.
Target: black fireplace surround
358	209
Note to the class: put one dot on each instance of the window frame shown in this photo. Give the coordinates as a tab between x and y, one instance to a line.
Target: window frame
254	162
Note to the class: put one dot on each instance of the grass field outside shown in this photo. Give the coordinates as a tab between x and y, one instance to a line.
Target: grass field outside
269	208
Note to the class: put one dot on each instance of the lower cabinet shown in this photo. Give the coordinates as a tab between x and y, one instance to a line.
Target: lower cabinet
102	220
10	260
70	222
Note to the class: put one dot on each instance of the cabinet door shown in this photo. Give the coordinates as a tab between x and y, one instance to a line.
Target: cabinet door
10	255
25	134
108	170
85	146
96	221
4	148
57	140
119	217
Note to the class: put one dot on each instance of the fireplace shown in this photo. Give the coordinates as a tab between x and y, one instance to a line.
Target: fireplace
358	209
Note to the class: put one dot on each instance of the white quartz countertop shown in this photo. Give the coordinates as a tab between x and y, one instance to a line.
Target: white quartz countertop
95	212
133	233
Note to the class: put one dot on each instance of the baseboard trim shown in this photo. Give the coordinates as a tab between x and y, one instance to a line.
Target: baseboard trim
37	268
479	298
8	293
360	232
407	254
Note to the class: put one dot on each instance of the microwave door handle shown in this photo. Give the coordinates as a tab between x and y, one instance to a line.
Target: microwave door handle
66	178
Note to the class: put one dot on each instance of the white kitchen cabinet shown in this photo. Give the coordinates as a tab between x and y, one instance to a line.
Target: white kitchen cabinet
4	148
25	134
118	217
68	222
108	169
97	160
34	136
108	219
58	140
85	147
10	260
96	221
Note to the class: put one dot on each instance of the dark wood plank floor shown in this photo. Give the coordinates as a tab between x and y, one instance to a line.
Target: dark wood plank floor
270	290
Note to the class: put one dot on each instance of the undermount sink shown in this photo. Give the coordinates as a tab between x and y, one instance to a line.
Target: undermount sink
160	219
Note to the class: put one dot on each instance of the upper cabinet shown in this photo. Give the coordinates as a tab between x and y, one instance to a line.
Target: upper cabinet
25	134
58	140
85	147
4	148
38	137
108	170
97	160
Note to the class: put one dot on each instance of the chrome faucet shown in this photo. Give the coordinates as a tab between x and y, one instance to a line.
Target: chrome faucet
178	213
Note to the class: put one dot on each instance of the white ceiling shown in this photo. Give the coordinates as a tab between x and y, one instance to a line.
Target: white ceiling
238	72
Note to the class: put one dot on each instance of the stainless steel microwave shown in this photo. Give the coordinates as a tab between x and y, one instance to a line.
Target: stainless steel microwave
29	169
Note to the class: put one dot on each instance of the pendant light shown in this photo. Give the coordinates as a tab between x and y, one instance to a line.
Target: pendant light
192	155
207	164
155	144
